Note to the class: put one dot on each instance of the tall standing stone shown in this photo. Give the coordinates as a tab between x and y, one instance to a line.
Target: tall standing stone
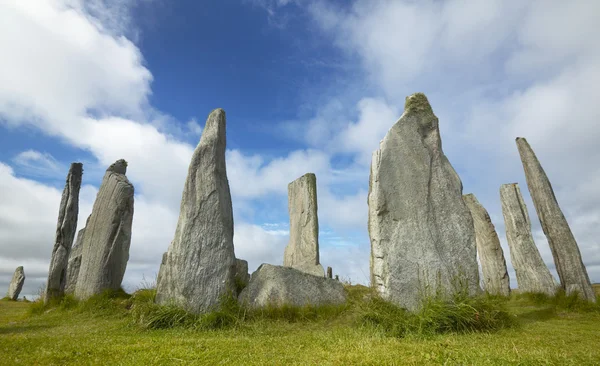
532	273
302	251
422	236
569	265
491	256
65	233
107	238
200	265
16	284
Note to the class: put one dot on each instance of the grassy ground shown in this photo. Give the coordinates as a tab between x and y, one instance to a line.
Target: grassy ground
545	334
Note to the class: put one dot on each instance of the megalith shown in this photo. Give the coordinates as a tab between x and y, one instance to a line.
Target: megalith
74	262
65	233
242	277
302	251
199	267
531	271
107	237
567	257
16	284
491	256
421	231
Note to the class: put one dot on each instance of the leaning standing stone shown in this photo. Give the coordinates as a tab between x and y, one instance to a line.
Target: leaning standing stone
302	251
199	267
422	236
532	273
571	271
65	233
491	256
16	285
107	236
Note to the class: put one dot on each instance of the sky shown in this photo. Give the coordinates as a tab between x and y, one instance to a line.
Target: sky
308	86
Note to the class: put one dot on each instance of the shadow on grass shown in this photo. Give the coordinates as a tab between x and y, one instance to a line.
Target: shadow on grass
6	330
537	315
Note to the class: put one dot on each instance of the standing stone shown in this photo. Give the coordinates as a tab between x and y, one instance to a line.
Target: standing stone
107	236
302	251
16	285
242	277
422	236
491	256
571	271
74	262
65	233
329	272
200	265
532	273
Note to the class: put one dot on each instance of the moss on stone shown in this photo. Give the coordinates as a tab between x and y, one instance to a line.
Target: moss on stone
418	103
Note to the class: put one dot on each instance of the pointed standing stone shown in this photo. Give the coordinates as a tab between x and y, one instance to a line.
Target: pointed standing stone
422	236
200	265
491	256
302	251
74	262
532	274
65	233
107	238
16	285
569	265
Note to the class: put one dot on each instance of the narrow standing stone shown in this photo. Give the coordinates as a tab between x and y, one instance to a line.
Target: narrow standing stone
242	277
200	265
107	236
302	251
74	262
532	274
491	256
16	285
569	265
422	236
65	233
329	272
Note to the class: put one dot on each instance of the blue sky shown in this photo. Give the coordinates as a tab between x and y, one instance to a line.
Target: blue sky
308	86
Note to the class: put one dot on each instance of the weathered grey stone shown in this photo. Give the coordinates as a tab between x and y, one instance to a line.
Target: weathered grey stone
278	285
200	265
107	238
242	277
302	251
65	233
16	284
422	236
337	278
329	272
491	256
567	257
74	262
532	274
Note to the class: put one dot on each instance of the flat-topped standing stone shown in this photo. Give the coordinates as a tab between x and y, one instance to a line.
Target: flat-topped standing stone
74	262
199	268
532	273
277	286
569	265
16	285
65	233
107	238
302	251
491	256
422	236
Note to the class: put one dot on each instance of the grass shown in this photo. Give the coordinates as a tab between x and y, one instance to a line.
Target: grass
116	328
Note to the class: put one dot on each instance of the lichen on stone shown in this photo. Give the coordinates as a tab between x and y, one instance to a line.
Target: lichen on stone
418	103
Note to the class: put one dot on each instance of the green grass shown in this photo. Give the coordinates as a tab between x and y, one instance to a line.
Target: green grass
115	328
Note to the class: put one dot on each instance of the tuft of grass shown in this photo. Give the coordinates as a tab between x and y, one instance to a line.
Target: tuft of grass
560	301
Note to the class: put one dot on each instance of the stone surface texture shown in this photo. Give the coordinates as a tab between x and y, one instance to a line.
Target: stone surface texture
200	265
16	284
277	285
107	238
242	276
422	236
65	233
532	274
491	256
567	257
74	263
302	251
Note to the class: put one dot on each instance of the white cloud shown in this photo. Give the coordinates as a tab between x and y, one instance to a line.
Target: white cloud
37	163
